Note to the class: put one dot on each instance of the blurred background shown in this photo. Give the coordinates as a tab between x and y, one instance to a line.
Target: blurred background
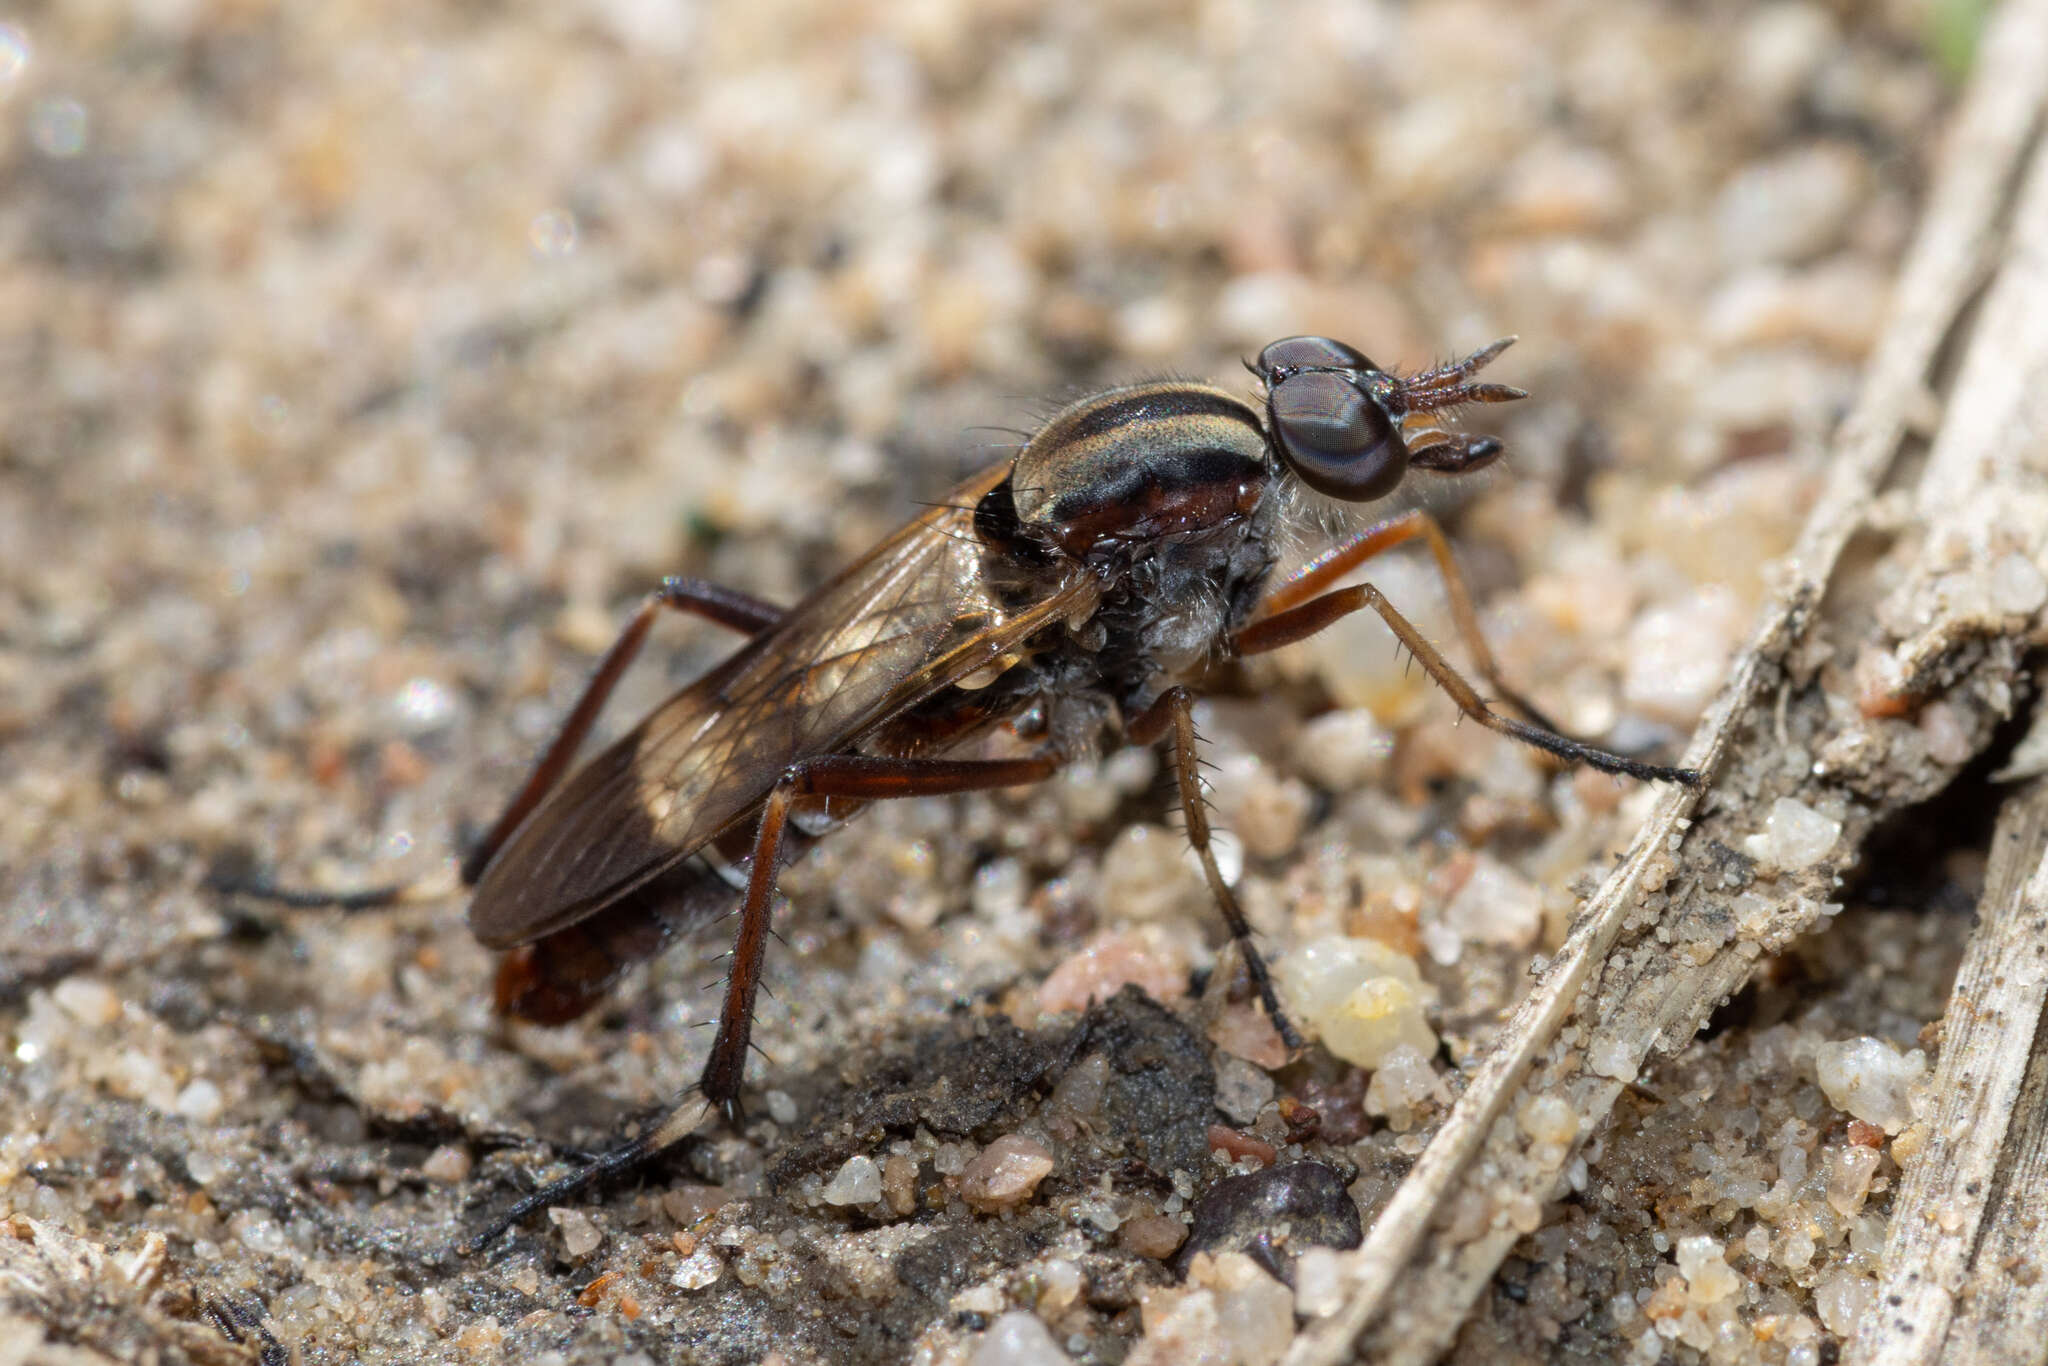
361	364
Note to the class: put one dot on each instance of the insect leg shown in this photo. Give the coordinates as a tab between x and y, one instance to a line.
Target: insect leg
724	606
675	1126
830	775
1174	711
1323	571
1298	623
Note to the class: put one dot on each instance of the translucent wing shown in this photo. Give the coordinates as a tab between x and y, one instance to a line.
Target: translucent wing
913	616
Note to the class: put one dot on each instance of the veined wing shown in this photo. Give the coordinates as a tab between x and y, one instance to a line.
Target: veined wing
911	617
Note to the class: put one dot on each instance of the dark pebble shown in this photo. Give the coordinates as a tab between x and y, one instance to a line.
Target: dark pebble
1271	1215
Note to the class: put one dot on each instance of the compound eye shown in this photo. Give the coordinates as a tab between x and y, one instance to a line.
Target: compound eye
1310	353
1336	437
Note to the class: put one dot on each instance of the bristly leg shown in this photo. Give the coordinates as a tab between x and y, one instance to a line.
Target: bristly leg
832	775
675	1126
1298	623
724	606
1326	569
1332	565
1174	713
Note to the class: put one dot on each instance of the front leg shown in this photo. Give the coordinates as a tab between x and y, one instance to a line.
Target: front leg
1298	623
1326	569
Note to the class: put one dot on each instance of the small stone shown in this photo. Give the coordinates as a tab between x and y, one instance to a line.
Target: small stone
1079	1092
1496	906
1254	1312
1181	1329
1795	836
257	1231
91	1003
1704	1264
1777	50
1842	304
1005	1173
1947	733
446	1165
699	1269
1243	1029
1870	1079
1850	1170
1146	875
1678	653
858	1182
1402	1083
1840	1297
781	1108
1549	1119
1385	1013
1236	1146
1154	327
1343	750
1610	1055
1265	809
1359	996
1018	1339
200	1101
899	1184
1790	207
1318	1283
1242	1090
2017	587
1563	189
1108	963
580	1236
688	1204
1157	1236
1060	1283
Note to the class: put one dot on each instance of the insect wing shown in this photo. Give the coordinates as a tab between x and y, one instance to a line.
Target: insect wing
910	618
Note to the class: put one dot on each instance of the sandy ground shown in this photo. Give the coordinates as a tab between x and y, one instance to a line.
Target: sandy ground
363	365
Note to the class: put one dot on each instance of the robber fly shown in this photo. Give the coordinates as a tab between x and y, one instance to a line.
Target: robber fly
1069	593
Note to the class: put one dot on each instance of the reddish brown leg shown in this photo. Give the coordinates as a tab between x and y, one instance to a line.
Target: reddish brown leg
1298	623
1174	711
721	605
832	775
724	606
1324	570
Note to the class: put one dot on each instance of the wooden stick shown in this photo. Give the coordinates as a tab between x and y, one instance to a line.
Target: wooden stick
1414	1283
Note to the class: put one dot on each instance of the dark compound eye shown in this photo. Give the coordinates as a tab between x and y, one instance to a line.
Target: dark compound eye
1310	353
1335	436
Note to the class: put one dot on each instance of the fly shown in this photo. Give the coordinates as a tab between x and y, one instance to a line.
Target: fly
1071	594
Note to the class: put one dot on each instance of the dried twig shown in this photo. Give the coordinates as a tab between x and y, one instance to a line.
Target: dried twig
1988	1037
1658	945
2004	1320
1986	486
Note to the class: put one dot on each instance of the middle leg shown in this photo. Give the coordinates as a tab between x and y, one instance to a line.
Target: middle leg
1175	711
